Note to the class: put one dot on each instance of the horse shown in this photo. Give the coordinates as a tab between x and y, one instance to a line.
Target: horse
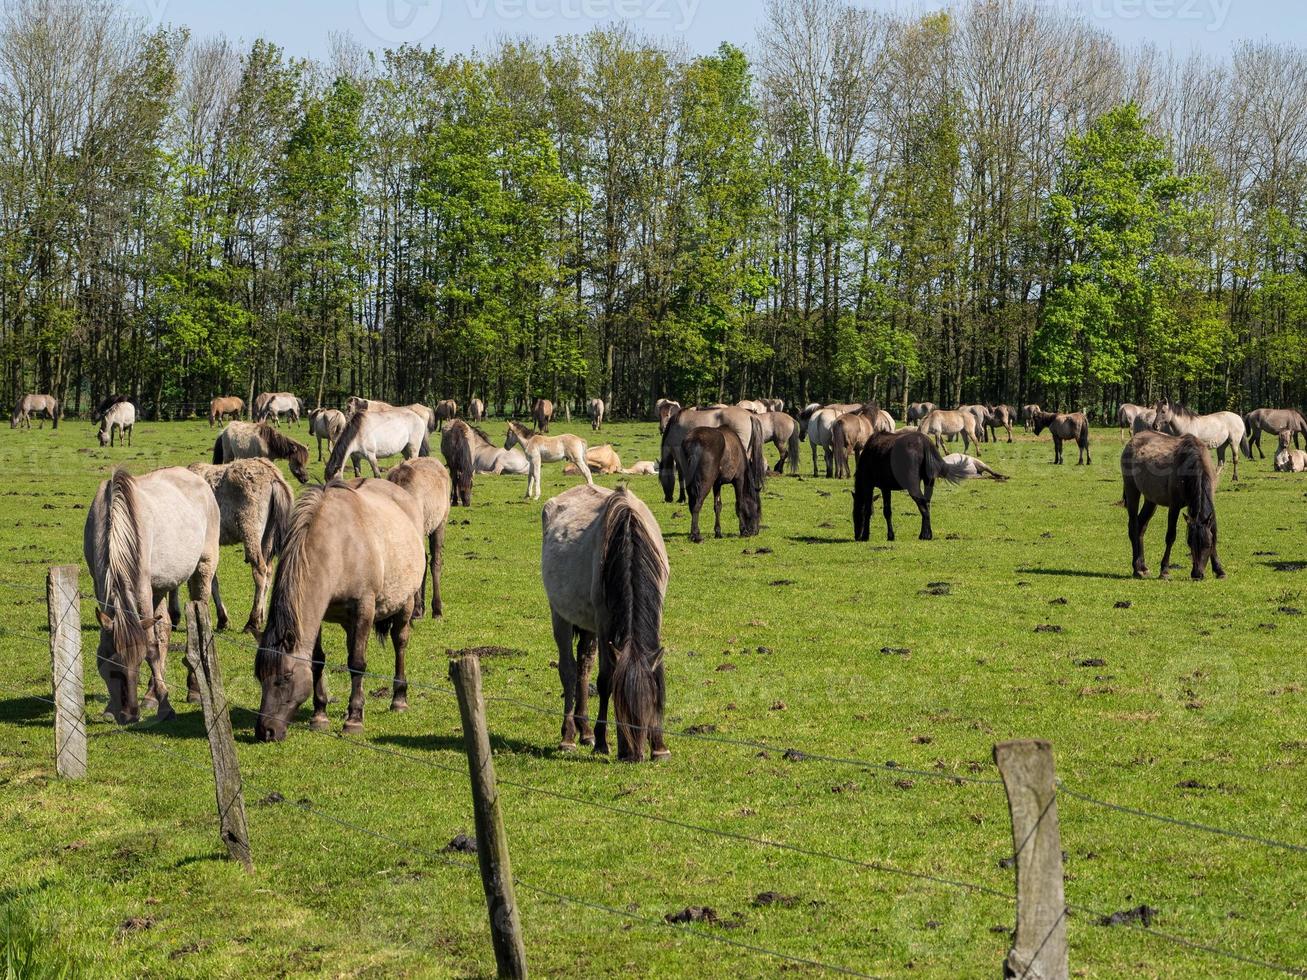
943	422
44	406
326	423
427	480
714	455
601	459
270	406
969	468
773	404
905	460
818	422
1143	421
542	412
1275	420
671	462
596	414
1028	413
476	410
642	467
254	504
224	405
425	413
996	417
1172	472
848	434
782	431
246	440
1216	431
1127	413
919	410
355	403
752	405
1065	426
546	449
144	536
446	410
353	557
1289	460
456	447
121	417
368	435
489	458
605	572
980	413
664	409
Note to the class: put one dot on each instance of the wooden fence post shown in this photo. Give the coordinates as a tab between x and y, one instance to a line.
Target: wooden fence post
203	663
492	842
63	600
1039	947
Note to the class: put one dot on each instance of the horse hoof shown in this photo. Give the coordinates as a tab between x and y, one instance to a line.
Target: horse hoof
566	746
1164	575
588	740
353	728
1220	574
149	704
1141	573
660	754
192	697
222	625
417	614
399	705
252	628
1197	576
319	723
166	715
601	748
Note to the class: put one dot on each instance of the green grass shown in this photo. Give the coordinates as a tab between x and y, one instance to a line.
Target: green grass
1196	712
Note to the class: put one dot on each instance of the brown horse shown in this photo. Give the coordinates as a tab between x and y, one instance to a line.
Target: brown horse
543	413
1172	472
246	440
223	406
353	557
999	417
427	480
605	571
665	408
904	460
671	460
714	456
1073	426
456	446
446	411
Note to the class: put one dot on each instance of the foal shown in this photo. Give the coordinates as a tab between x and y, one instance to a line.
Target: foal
714	455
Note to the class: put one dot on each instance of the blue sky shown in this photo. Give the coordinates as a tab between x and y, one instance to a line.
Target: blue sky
303	26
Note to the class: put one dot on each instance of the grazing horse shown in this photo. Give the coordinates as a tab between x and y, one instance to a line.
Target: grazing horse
664	409
255	504
223	406
1216	431
542	412
596	414
353	557
671	461
605	572
996	417
326	423
969	468
456	447
120	417
1172	472
427	480
1073	426
372	434
1028	413
476	410
782	431
546	449
144	536
446	411
1274	420
44	406
848	434
942	422
246	440
919	410
714	455
905	460
1126	415
270	406
818	422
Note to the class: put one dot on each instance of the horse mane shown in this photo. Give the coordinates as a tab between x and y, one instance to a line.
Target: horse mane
340	451
481	433
107	404
283	447
294	569
526	429
1199	479
122	549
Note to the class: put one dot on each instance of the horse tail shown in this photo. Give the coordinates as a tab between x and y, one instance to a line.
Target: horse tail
632	575
217	448
283	626
280	505
54	414
340	451
424	447
1244	447
456	447
757	458
793	453
933	466
839	447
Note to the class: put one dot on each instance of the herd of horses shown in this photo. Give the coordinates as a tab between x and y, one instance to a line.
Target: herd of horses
359	552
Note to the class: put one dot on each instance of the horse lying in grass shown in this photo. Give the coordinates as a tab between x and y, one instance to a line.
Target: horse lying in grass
1173	472
145	536
1288	459
603	460
541	449
247	440
969	468
714	456
605	571
904	460
353	557
1062	427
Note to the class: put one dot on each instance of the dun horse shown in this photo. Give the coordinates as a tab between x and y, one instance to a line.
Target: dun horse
1173	472
119	417
42	406
247	440
326	423
272	405
671	461
596	414
144	536
446	411
714	456
605	571
999	417
849	434
665	408
372	435
353	557
919	410
542	412
1219	431
1073	427
224	406
1126	415
1274	420
942	422
427	480
782	430
546	449
890	461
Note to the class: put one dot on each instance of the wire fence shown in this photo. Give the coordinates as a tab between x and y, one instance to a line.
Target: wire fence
142	735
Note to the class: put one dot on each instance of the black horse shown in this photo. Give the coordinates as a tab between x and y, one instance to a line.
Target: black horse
904	460
714	456
456	447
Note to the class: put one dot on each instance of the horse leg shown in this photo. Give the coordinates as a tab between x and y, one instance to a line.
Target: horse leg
1141	528
923	507
584	467
1172	515
372	462
1255	441
585	658
695	504
436	541
567	674
814	457
157	657
356	631
717	510
319	721
174	610
400	629
262	573
888	511
1057	450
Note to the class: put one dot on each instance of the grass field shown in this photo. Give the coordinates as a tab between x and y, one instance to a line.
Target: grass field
1183	698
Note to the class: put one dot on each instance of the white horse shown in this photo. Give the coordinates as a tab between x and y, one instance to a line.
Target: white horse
272	405
326	423
121	416
371	434
965	467
596	413
1217	431
546	449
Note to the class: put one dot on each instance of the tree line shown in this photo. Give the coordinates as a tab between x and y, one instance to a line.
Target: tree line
992	202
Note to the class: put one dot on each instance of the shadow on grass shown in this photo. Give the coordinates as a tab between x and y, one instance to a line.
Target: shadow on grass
814	539
454	743
1073	573
31	710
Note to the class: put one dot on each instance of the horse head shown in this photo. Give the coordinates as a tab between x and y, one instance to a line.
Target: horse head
124	643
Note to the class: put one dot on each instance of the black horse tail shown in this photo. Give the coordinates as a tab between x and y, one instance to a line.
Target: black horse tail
793	452
281	505
757	458
839	448
54	415
456	447
217	449
933	466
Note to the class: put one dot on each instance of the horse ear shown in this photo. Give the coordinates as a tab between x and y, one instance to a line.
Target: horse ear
150	623
105	620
